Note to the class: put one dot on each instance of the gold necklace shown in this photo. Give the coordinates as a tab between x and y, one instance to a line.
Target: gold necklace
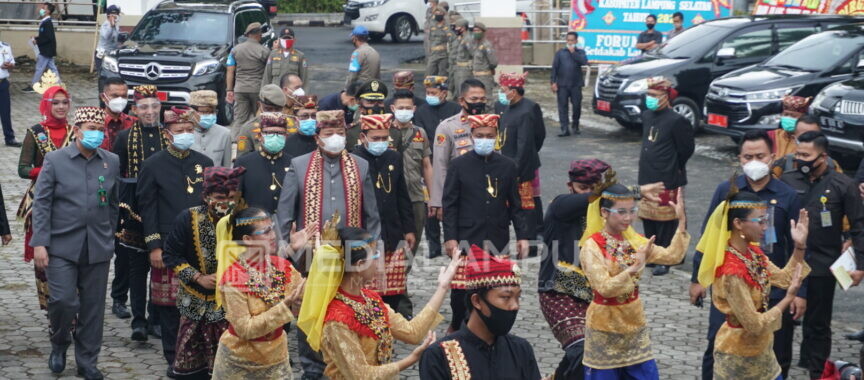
493	191
380	182
274	183
652	135
190	182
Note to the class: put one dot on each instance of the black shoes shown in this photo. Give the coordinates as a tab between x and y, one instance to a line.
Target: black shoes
660	270
859	336
14	144
170	372
155	330
120	311
139	334
577	132
90	374
564	134
28	89
57	359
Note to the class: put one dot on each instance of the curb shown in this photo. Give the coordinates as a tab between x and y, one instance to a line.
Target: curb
309	19
308	23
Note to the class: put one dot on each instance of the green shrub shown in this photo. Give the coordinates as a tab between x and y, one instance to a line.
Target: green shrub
310	6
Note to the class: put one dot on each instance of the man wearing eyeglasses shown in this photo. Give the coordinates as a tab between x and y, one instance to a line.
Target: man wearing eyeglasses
755	155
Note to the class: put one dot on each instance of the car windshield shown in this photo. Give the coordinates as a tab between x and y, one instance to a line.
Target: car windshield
818	52
693	42
182	27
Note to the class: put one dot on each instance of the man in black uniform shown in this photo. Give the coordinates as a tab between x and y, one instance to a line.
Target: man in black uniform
133	146
342	101
262	183
371	97
303	141
436	108
170	182
521	138
667	144
394	209
649	38
480	201
829	196
484	348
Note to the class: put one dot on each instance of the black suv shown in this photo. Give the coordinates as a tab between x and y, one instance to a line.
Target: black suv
750	98
696	57
181	46
840	108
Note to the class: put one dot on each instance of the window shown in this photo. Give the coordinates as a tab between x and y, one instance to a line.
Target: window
818	52
181	27
787	35
247	17
750	44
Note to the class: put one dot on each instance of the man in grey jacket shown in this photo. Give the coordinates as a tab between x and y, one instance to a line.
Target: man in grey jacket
75	212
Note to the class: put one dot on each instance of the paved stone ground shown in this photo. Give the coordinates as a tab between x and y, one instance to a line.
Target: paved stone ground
677	328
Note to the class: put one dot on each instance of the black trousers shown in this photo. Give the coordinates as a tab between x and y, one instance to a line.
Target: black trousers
433	237
6	111
457	305
782	341
570	367
568	96
816	342
401	304
120	284
663	231
169	320
139	267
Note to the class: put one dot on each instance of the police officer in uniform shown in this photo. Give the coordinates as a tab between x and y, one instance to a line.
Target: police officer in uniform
270	99
285	59
262	183
371	97
439	37
365	63
484	61
245	67
461	57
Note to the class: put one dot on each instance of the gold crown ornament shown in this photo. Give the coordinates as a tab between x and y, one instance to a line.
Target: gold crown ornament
49	79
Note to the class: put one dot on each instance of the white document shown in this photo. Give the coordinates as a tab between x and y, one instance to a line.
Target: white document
841	268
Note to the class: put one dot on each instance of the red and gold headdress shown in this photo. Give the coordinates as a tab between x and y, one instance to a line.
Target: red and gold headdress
663	84
512	79
308	101
219	179
486	271
376	122
484	120
145	91
797	104
331	119
180	114
435	81
89	115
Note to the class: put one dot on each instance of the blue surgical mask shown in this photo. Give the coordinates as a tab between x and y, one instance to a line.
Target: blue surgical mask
433	100
652	102
92	139
571	46
502	98
354	107
42	12
377	148
308	127
207	120
484	147
788	123
404	116
274	143
183	141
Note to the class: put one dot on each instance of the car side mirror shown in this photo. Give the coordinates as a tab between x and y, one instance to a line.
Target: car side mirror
122	37
265	29
859	68
726	53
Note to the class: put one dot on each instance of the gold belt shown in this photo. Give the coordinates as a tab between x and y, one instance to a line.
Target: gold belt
439	48
487	72
463	64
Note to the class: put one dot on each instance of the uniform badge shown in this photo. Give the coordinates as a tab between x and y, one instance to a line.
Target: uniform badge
277	58
41	136
462	143
390	168
294	58
198	169
374	85
241	143
458	131
463	151
440	139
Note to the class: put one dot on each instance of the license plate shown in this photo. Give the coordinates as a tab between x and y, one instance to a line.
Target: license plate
718	120
603	105
162	96
832	124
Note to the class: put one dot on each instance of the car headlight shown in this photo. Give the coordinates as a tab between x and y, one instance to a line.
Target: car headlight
371	18
205	67
639	85
373	4
110	63
770	119
769	95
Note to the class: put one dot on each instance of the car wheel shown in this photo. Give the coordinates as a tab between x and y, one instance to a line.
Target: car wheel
401	28
628	124
376	37
688	108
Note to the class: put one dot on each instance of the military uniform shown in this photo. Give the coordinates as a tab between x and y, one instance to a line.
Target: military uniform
262	183
170	182
483	64
415	147
281	62
365	65
249	59
452	139
460	68
437	61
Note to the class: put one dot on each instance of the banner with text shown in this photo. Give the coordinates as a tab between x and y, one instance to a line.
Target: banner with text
840	7
608	29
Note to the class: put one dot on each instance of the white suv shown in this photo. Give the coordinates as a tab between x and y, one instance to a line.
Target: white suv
399	18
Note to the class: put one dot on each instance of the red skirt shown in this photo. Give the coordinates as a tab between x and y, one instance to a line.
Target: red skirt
565	315
163	287
394	279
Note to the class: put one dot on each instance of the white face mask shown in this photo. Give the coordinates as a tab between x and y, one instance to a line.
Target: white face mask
333	144
299	92
756	170
117	105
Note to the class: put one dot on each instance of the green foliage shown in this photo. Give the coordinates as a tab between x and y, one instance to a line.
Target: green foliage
310	6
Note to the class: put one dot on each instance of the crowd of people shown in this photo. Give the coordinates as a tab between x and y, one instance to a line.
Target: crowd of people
303	216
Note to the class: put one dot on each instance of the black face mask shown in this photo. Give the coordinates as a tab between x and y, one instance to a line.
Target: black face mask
374	110
649	26
475	108
500	321
439	18
806	167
